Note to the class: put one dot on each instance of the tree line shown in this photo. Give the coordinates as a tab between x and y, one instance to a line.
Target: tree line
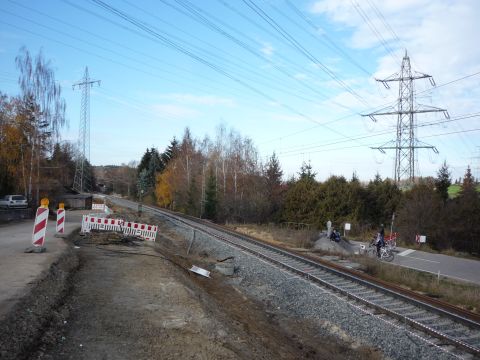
33	159
224	180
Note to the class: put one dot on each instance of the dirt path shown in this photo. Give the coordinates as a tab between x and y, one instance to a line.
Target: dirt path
133	307
139	302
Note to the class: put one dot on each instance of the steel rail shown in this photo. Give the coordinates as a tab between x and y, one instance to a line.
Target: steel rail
269	255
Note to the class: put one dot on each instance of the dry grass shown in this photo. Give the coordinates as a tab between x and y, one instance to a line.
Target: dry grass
277	235
429	249
458	293
462	294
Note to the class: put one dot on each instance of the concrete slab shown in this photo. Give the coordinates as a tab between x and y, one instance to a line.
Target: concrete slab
19	269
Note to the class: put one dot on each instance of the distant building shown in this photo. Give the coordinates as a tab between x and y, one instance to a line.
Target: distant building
77	201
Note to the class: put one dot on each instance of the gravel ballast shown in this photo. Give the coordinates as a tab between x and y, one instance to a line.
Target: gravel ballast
288	294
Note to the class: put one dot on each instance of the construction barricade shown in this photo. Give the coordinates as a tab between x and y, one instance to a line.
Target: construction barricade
98	207
40	226
101	207
144	231
60	219
90	222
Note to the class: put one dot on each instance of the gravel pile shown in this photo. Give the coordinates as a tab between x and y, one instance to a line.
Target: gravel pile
288	294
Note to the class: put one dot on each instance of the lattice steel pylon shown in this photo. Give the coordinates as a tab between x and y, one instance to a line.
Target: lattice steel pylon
83	154
406	143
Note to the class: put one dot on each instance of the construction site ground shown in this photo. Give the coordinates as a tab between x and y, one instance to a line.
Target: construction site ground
109	297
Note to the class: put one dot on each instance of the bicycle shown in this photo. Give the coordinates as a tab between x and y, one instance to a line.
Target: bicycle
386	253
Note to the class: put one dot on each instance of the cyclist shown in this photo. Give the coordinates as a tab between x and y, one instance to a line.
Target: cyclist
380	239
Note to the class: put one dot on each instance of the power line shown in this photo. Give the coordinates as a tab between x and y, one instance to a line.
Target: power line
382	18
197	17
168	42
289	38
86	51
96	54
373	28
281	87
373	144
366	136
370	109
196	14
406	143
79	183
330	43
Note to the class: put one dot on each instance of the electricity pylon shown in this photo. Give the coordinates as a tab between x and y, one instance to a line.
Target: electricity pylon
79	182
406	143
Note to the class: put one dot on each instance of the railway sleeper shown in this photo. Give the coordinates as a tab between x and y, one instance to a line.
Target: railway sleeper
427	319
340	283
400	309
454	332
414	314
330	278
387	300
442	325
374	297
363	291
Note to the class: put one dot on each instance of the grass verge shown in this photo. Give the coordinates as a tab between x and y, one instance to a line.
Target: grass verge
276	235
461	294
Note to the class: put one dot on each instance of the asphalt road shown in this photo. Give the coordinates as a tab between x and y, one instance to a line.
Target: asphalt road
18	269
449	266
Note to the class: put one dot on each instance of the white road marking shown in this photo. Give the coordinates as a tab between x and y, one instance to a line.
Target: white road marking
406	252
417	258
436	273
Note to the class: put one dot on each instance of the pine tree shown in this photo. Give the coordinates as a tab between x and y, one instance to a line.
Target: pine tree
443	181
169	152
155	165
273	182
192	198
144	162
211	197
468	181
306	172
354	178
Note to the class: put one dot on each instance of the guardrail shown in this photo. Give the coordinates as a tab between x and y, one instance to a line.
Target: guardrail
7	215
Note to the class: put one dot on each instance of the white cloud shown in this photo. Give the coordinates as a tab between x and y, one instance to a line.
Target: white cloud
208	100
267	49
441	38
300	76
174	110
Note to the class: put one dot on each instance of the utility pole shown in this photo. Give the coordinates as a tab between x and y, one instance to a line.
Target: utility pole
84	133
406	143
476	165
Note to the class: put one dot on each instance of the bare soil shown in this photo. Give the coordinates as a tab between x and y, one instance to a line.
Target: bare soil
129	299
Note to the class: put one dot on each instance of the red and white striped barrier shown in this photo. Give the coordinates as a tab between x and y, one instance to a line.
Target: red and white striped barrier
98	207
144	231
40	226
60	219
101	207
99	223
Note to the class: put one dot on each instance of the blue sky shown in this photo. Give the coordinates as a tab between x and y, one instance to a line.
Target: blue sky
228	65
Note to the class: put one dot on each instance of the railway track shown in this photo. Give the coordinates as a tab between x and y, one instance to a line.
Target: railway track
452	327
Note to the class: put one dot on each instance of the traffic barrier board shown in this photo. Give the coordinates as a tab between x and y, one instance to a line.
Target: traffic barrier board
40	226
60	221
144	231
99	223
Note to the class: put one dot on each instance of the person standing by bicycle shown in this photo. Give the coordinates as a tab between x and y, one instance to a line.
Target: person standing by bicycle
380	239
